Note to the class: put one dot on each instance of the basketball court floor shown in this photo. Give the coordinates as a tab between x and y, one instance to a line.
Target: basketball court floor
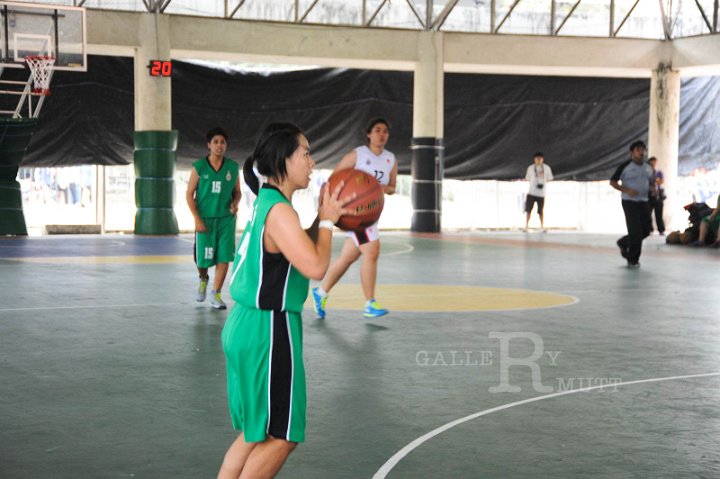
506	355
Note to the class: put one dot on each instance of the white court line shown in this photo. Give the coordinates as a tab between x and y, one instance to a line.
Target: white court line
104	306
636	290
395	459
408	249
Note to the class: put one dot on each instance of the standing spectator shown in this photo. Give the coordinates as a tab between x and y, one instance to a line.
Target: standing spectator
213	194
538	174
635	179
656	199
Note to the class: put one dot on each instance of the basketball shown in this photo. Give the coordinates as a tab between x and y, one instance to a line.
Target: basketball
368	202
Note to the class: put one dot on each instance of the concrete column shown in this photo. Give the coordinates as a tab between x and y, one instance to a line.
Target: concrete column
155	141
427	143
153	105
664	133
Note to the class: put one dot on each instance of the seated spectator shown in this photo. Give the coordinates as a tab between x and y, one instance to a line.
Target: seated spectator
710	225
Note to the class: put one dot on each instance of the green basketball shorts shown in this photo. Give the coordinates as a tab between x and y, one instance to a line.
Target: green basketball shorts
217	243
265	373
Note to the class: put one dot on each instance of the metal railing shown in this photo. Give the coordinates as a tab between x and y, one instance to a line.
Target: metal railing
665	19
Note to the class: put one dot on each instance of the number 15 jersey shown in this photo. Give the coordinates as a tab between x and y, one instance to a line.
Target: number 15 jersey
379	166
214	192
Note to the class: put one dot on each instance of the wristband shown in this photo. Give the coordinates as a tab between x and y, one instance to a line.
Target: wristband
327	224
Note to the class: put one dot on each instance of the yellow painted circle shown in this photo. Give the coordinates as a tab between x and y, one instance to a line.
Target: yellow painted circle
426	297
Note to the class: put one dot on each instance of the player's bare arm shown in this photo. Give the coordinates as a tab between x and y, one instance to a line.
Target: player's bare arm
190	199
348	161
236	196
284	234
389	189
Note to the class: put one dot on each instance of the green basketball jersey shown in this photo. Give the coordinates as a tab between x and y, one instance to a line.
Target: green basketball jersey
263	280
214	191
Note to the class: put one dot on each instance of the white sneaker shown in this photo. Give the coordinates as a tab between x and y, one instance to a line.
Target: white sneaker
201	291
216	301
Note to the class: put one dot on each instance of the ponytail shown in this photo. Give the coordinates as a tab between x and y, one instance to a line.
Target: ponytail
249	175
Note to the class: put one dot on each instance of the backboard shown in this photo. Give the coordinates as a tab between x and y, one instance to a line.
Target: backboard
39	29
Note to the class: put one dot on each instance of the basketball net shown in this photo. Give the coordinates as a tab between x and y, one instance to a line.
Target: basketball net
41	68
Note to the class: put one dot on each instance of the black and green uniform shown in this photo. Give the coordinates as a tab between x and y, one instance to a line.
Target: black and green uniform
262	337
213	198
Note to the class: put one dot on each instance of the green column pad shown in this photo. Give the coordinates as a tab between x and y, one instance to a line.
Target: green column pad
154	162
160	221
154	192
11	213
15	136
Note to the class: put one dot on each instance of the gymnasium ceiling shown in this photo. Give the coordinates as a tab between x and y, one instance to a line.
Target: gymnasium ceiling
651	19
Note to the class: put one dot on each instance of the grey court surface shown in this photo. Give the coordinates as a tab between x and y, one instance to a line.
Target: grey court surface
109	369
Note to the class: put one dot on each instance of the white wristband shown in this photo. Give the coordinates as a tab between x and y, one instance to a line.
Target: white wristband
327	224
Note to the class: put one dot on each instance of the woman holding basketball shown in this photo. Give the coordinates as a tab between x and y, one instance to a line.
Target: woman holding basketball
380	163
262	337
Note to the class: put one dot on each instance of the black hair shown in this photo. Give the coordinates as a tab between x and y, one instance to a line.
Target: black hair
538	153
274	146
652	158
374	122
215	132
638	144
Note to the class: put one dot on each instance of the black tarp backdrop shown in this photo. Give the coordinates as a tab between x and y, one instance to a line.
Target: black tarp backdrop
332	107
88	117
493	123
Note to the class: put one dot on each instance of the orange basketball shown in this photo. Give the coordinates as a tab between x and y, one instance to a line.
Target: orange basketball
368	202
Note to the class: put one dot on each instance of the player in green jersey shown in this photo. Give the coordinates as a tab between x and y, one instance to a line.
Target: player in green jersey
213	194
262	337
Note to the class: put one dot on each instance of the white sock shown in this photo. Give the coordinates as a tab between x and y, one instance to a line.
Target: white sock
321	292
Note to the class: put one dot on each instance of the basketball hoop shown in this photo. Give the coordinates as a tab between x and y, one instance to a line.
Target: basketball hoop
41	68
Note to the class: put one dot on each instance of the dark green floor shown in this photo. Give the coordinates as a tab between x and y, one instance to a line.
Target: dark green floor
109	369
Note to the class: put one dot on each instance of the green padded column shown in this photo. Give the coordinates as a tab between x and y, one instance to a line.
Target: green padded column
154	185
15	137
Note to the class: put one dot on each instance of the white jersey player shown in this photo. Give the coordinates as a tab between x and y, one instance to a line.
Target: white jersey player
377	161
